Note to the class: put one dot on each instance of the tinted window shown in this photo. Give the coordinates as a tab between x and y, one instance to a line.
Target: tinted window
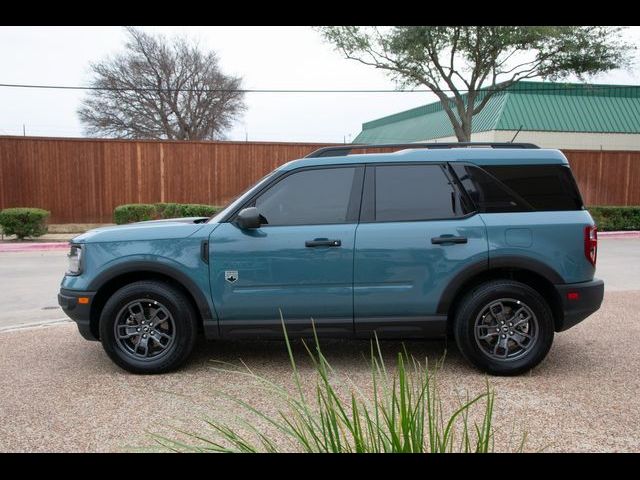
487	193
545	187
413	192
308	197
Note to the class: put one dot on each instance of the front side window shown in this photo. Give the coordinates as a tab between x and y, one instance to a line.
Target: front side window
309	197
414	192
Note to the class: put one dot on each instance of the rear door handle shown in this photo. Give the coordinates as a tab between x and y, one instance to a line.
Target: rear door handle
448	239
322	242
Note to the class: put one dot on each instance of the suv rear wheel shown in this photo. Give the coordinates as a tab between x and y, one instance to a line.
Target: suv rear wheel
148	327
504	327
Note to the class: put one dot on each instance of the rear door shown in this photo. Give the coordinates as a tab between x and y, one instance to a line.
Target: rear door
414	237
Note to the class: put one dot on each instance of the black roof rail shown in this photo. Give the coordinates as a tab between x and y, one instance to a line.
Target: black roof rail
346	149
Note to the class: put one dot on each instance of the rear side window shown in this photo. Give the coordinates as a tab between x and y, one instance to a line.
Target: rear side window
413	192
544	187
309	197
520	188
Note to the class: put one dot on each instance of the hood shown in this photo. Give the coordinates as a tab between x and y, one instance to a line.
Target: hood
172	228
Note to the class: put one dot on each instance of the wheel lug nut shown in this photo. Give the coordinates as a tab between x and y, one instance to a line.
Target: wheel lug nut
510	333
510	324
504	336
137	329
144	336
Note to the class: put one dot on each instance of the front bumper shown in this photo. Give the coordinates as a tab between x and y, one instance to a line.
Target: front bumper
578	300
78	312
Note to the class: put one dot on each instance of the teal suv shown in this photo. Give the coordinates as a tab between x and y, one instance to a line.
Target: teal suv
488	243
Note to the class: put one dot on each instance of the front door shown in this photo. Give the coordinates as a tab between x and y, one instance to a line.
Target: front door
298	266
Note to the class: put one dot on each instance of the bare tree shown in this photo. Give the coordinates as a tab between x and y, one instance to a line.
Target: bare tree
162	89
479	60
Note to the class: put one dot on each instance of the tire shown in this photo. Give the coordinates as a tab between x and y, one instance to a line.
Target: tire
167	343
483	333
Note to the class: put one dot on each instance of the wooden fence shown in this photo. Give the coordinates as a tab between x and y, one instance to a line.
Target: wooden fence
82	180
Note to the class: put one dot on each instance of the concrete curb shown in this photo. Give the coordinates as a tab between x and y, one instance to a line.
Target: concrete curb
33	247
27	326
624	234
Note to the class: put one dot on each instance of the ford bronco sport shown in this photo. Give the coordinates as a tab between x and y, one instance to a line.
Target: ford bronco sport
489	243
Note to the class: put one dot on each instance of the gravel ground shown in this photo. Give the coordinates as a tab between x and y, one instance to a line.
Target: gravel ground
59	392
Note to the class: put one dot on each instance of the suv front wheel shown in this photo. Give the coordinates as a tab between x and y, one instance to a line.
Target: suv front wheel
148	327
504	327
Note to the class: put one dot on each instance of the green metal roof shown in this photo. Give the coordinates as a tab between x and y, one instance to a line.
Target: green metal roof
536	106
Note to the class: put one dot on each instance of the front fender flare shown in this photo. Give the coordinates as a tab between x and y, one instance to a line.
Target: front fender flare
165	268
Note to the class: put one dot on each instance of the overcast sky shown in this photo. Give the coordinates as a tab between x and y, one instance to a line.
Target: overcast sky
266	57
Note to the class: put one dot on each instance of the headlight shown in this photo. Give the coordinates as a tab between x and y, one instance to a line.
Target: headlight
75	257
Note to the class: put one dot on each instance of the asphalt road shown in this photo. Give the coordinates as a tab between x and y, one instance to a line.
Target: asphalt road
59	392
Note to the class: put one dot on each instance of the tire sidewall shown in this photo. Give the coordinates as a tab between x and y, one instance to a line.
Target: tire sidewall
179	308
477	300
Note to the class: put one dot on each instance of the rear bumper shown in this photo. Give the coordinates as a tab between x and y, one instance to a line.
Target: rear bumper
78	312
587	301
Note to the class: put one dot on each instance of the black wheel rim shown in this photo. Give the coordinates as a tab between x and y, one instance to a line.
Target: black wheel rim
145	329
506	329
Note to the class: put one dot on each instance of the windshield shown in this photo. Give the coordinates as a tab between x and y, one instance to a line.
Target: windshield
238	200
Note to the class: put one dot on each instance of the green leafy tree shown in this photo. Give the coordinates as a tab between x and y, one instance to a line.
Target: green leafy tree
480	60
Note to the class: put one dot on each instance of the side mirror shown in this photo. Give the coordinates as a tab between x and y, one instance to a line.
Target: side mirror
249	218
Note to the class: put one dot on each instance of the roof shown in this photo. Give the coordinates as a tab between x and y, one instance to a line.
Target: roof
534	106
478	156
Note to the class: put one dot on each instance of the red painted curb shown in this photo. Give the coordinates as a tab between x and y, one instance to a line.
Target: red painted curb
621	234
33	247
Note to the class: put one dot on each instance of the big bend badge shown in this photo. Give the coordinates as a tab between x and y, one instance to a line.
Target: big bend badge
231	276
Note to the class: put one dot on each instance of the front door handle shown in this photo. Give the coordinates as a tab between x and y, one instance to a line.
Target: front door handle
322	242
448	239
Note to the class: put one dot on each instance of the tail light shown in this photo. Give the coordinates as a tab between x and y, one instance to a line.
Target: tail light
591	243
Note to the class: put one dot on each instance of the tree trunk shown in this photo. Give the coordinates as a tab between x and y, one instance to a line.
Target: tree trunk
463	135
465	129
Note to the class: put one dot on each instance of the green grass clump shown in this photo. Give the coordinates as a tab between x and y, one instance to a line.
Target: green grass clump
403	413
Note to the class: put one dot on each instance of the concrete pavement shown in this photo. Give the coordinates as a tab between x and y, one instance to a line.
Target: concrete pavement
59	392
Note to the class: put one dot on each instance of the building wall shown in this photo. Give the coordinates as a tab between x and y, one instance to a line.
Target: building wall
561	140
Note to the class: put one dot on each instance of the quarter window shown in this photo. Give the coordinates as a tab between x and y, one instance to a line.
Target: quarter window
309	197
414	192
545	187
520	188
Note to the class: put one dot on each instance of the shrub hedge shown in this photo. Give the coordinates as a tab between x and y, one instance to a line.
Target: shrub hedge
24	222
140	212
616	218
134	212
